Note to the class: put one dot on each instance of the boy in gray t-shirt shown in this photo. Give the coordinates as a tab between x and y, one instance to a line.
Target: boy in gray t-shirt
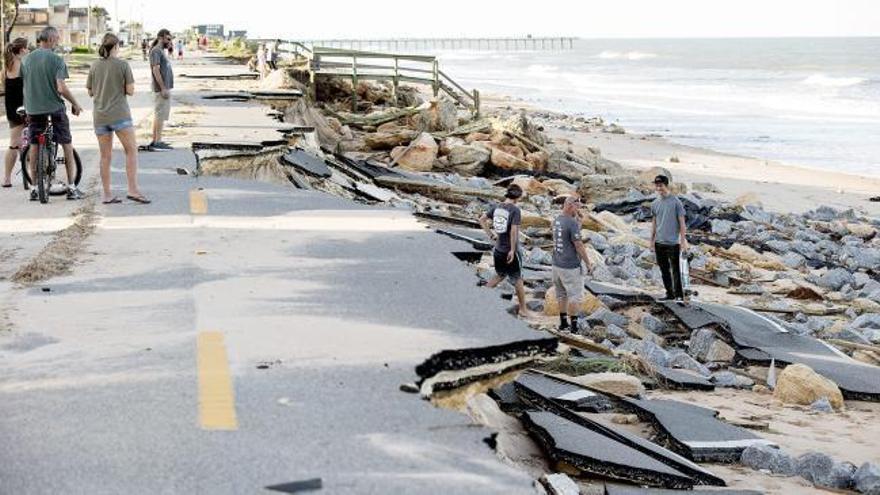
668	237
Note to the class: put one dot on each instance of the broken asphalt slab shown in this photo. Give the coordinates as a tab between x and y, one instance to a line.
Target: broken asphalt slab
306	162
612	489
676	379
575	397
618	292
597	454
750	330
694	432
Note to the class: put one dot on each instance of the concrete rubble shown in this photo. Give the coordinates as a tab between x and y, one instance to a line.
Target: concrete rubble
801	291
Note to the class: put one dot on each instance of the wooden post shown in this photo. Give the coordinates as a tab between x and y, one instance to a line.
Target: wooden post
436	70
354	84
476	104
396	80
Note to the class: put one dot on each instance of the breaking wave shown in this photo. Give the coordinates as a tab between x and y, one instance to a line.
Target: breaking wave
832	82
612	55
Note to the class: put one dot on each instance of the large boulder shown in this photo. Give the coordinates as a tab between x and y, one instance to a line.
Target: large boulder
539	160
440	116
613	383
822	470
766	458
467	159
508	157
799	384
551	305
420	156
596	188
835	279
530	185
559	187
389	140
647	176
559	164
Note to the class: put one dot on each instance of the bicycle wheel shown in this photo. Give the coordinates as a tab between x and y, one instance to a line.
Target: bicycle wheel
26	177
42	178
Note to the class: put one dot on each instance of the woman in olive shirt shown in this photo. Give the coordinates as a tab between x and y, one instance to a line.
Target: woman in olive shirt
110	83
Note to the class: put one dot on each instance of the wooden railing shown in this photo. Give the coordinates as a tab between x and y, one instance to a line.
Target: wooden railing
362	65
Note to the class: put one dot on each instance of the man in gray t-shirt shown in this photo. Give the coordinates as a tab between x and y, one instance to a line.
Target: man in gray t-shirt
568	251
668	236
163	82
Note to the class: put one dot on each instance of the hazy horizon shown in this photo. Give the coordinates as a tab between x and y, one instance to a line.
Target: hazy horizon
625	19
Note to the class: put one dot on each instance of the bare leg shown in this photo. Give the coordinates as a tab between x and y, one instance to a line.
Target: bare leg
70	164
574	308
129	144
105	145
32	162
12	153
158	125
494	282
521	297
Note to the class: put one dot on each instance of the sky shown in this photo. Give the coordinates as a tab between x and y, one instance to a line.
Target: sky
292	19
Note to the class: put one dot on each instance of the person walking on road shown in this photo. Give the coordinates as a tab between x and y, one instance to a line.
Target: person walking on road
163	83
14	98
144	46
110	83
179	49
261	60
668	229
501	223
44	74
568	274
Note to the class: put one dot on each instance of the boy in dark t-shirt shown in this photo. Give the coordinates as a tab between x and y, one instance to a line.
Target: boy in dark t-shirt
501	223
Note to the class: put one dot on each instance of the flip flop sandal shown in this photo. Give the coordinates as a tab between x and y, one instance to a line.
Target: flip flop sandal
7	185
113	201
139	199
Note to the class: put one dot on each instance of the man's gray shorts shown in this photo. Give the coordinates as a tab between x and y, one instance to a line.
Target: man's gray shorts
569	283
162	107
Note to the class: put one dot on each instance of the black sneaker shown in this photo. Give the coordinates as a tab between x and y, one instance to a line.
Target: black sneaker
74	194
162	146
666	299
34	196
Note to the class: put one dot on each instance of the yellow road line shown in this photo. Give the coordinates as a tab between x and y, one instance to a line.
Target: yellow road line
216	396
198	202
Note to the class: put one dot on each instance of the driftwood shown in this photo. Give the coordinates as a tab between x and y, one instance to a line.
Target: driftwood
438	190
853	346
463	130
362	121
579	342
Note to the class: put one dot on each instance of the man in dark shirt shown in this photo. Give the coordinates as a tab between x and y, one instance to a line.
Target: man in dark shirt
668	237
501	223
568	252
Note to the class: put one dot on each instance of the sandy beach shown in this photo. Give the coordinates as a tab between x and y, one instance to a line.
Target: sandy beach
781	188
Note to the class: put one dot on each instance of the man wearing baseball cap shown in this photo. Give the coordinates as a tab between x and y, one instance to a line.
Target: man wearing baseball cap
568	253
668	237
505	220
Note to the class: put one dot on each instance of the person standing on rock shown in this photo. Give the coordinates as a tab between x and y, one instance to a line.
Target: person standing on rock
163	82
668	228
568	274
501	223
110	83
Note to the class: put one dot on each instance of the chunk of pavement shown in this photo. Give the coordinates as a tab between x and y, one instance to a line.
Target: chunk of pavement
653	324
799	384
684	361
613	383
835	279
695	432
822	405
602	451
612	303
613	489
507	399
722	227
730	379
607	317
535	388
559	484
821	470
675	379
297	486
867	479
767	458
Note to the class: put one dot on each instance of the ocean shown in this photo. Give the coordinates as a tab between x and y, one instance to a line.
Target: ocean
806	101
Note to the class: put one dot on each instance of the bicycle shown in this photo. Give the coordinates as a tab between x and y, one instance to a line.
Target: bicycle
48	162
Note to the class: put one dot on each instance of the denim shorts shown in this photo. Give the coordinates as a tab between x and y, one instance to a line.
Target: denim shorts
103	130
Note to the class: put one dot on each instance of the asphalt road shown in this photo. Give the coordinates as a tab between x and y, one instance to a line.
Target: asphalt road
312	311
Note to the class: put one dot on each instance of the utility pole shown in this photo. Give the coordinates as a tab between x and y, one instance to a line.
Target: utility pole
3	38
88	26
